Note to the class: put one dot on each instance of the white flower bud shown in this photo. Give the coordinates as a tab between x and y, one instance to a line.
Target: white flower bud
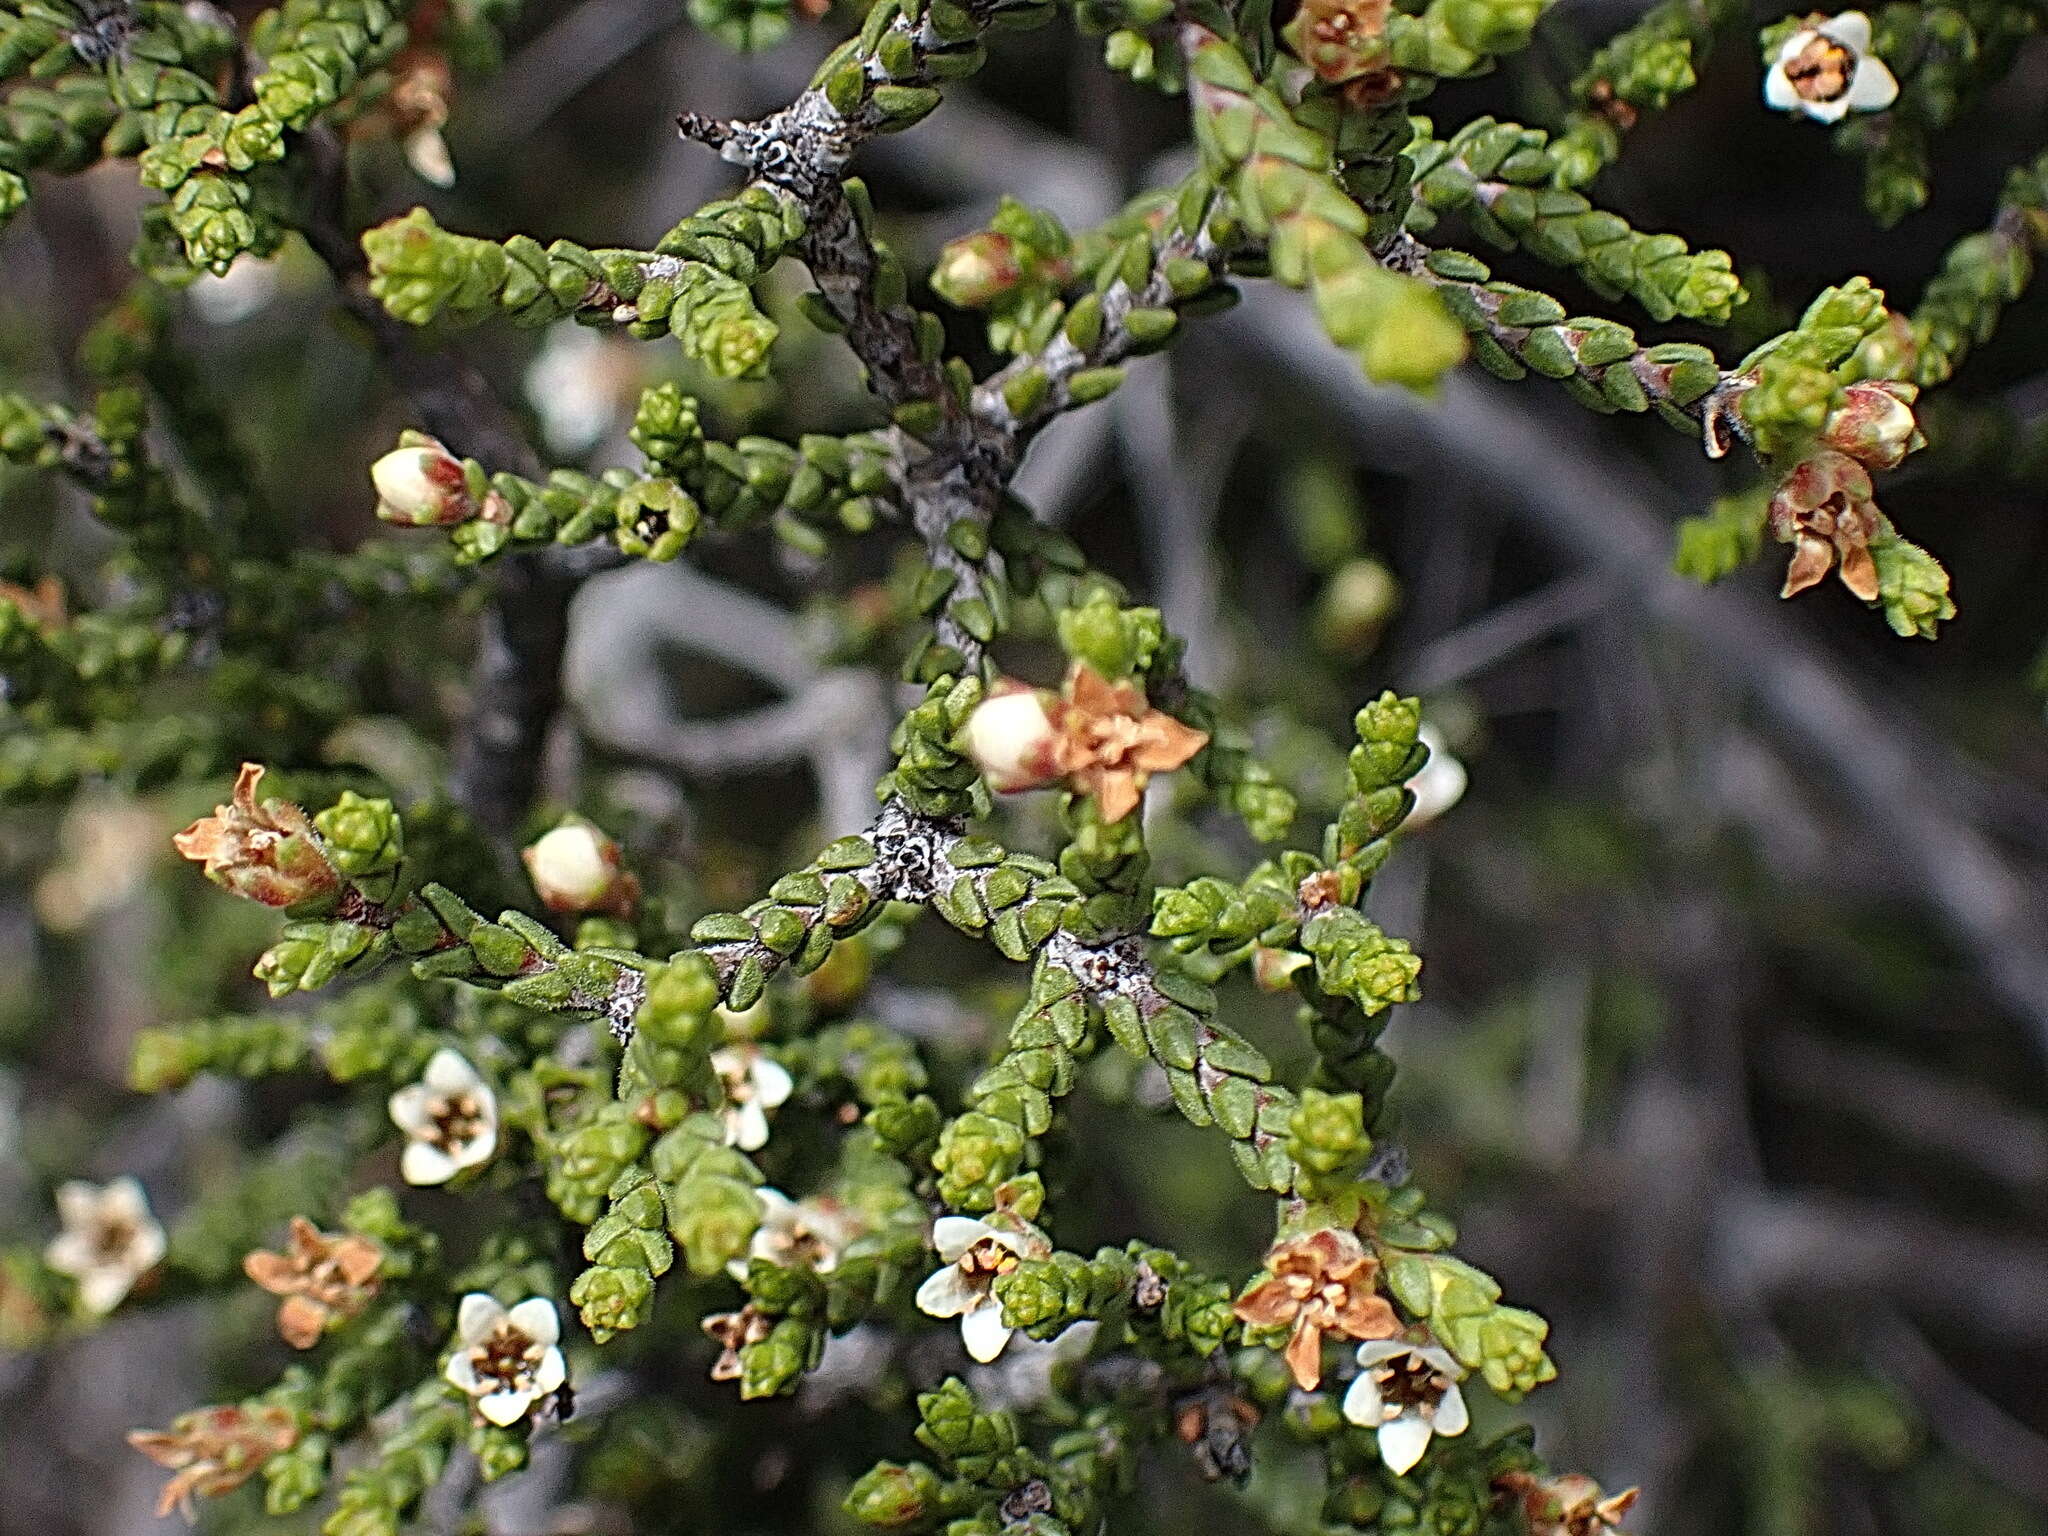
575	868
421	484
1011	738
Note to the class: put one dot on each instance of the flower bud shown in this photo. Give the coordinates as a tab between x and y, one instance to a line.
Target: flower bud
421	484
1012	739
576	868
1874	424
976	270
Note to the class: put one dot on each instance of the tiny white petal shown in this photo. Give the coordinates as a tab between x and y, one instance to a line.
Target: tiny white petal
505	1408
479	1314
1378	1351
1403	1441
954	1235
69	1253
1873	88
1439	1359
102	1289
1452	1418
423	1164
77	1203
1790	48
478	1148
409	1107
1362	1401
983	1330
461	1372
553	1370
777	1208
772	1083
1827	111
946	1293
448	1073
147	1248
747	1125
1779	92
537	1319
1851	29
123	1200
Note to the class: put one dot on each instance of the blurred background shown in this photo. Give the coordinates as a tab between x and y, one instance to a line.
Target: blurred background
1731	1059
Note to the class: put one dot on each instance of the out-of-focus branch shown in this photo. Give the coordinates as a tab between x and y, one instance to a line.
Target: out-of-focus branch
1553	480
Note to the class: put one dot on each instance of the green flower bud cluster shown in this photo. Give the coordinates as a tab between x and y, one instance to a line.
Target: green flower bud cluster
1010	1104
1643	68
933	775
1912	586
1960	308
1454	38
628	1248
1327	1139
801	491
708	1188
1277	171
887	1078
584	1156
420	272
1799	375
803	915
1229	922
1516	331
1045	1296
1499	176
317	52
980	1447
1462	1307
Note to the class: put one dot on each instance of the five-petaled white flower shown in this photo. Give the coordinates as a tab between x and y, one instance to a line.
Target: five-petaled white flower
1407	1392
506	1360
754	1084
450	1118
1827	71
974	1253
799	1232
110	1240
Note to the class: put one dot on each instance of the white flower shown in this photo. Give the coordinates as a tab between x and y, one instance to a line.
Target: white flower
973	1253
110	1240
421	484
1406	1392
793	1232
450	1117
753	1085
506	1360
1827	71
1439	786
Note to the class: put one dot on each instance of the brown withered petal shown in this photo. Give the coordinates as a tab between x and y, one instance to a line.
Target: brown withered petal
1811	558
301	1320
1859	569
1304	1354
1110	740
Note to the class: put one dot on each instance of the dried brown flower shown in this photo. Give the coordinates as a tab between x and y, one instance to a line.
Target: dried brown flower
1570	1504
1318	1284
321	1276
267	852
212	1451
1825	511
733	1332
